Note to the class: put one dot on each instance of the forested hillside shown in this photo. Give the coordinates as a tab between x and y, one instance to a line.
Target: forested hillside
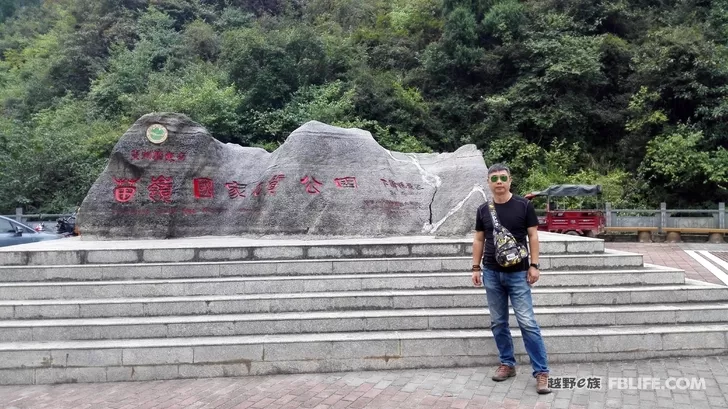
632	94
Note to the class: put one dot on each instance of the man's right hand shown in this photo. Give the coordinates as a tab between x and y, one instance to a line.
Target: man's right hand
476	278
478	244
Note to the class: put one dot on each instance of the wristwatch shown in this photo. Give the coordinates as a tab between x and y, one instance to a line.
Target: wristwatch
476	267
538	267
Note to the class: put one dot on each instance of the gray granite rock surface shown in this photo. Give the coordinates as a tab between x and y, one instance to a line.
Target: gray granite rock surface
168	177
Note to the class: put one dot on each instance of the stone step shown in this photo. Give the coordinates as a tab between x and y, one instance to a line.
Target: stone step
171	358
318	283
351	300
75	251
349	321
609	259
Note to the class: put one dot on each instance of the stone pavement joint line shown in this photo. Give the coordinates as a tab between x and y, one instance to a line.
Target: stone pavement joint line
439	388
723	255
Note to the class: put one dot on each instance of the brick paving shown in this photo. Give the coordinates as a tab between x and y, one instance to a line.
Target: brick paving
463	388
674	255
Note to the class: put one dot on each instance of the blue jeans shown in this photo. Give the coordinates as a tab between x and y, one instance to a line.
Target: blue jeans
498	287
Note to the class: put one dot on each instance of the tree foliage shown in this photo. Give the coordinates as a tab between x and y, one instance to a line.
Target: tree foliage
631	94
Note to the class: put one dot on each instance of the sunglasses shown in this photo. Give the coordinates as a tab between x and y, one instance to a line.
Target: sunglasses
503	178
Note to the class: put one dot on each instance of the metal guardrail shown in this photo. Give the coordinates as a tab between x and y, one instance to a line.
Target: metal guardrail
614	217
39	216
665	218
35	217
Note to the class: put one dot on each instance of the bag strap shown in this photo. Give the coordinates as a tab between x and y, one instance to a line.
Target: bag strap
493	214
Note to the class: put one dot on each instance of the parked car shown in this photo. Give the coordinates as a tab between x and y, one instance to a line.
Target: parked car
13	232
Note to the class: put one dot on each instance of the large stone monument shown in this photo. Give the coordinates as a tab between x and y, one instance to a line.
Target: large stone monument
168	177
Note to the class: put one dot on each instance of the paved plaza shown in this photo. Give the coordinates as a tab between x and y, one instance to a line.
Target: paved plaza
426	388
678	255
655	383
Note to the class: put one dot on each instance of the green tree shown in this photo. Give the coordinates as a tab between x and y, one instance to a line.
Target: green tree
201	91
563	90
49	163
681	171
8	8
268	67
690	73
201	40
113	92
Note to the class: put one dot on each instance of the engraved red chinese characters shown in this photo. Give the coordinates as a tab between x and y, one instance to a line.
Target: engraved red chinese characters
348	182
312	185
157	156
236	189
160	189
203	188
273	183
125	189
258	189
401	185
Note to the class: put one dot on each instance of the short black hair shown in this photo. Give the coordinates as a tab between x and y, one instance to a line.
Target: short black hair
497	167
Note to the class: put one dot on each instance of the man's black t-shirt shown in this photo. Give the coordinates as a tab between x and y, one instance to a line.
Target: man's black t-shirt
516	215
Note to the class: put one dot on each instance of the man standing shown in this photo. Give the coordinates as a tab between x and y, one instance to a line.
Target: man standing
517	215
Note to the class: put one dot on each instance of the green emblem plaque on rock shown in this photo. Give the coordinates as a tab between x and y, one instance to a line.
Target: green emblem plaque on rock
157	134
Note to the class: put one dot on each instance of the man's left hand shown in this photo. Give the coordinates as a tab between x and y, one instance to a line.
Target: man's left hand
533	275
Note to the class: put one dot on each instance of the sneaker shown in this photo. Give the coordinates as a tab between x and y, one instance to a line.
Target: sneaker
542	383
504	372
